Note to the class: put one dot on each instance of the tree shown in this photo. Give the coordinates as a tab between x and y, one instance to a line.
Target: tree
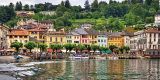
130	19
126	48
101	48
121	49
11	5
18	6
148	2
26	7
94	48
67	4
87	6
6	14
94	5
88	47
55	47
17	45
81	47
31	7
69	47
30	45
112	47
42	47
62	3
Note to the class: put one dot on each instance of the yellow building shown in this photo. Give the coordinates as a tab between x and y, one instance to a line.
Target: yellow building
52	37
116	38
37	35
17	35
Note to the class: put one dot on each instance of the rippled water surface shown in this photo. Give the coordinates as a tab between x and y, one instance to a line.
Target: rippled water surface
136	69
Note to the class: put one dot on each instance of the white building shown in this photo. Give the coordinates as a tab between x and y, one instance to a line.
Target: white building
146	41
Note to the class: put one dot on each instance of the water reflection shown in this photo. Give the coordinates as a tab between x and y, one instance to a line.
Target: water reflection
100	69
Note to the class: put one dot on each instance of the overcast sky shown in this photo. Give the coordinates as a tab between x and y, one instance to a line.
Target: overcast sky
73	2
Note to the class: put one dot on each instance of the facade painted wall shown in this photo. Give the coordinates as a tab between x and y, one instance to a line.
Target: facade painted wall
116	40
102	40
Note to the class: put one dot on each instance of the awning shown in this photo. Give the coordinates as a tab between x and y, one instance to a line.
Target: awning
107	52
50	51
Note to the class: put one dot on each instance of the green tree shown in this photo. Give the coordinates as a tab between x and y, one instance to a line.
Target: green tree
69	47
81	47
42	47
88	47
17	45
87	6
112	47
6	14
18	6
101	48
94	5
26	7
56	47
11	5
67	4
121	49
126	48
30	45
94	48
130	19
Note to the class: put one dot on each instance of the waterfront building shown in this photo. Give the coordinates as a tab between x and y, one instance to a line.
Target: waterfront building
51	13
69	38
25	13
52	37
146	42
102	39
17	35
3	36
87	35
36	35
116	38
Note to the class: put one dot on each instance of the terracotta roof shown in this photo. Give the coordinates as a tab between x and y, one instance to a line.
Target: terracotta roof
18	32
55	33
91	31
36	30
116	34
152	30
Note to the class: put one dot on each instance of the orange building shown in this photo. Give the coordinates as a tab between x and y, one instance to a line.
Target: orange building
116	38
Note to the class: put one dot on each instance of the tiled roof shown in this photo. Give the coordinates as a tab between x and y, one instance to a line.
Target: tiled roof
91	31
55	33
152	30
116	34
37	30
18	32
80	31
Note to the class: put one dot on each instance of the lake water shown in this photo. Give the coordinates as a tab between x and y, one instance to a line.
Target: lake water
135	69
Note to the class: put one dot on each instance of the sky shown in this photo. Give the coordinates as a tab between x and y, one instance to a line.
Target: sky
73	2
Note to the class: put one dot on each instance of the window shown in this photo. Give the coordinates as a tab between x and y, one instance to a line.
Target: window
25	36
15	36
10	36
25	41
56	39
101	40
61	39
98	40
85	41
50	39
20	36
104	40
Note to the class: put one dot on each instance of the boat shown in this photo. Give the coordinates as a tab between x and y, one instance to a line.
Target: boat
79	57
113	58
100	58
